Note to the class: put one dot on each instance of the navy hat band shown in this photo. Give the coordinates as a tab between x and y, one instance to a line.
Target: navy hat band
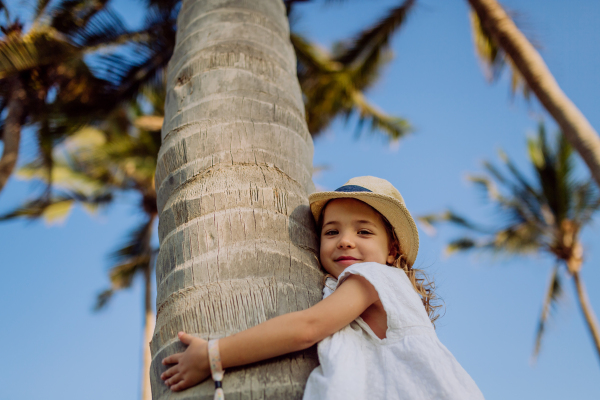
352	188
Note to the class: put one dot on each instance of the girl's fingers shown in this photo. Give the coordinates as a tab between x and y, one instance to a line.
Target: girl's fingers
180	386
185	338
173	359
174	380
169	373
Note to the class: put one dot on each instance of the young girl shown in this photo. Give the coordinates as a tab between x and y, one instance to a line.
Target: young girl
375	322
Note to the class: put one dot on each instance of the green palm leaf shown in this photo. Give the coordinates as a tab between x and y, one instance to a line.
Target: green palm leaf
494	59
545	215
369	50
132	257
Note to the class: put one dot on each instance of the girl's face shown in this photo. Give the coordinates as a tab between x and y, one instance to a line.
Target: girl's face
353	232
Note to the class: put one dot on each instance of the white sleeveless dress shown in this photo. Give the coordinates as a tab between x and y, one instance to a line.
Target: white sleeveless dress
410	363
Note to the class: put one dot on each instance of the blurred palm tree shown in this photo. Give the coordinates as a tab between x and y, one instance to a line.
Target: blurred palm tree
45	81
499	42
333	83
546	216
94	166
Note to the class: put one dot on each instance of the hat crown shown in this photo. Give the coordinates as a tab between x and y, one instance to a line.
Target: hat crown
376	185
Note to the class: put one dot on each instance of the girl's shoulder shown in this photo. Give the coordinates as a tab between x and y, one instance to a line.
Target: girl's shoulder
377	274
401	302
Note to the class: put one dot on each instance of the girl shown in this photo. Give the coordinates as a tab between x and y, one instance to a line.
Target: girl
374	325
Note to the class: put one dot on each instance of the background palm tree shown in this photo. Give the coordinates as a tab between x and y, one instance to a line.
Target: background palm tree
92	168
333	83
45	81
506	42
546	216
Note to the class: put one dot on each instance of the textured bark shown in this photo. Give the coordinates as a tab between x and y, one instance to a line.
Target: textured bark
11	136
588	313
530	64
237	241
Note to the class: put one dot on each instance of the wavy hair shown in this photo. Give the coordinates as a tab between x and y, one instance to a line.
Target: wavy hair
423	284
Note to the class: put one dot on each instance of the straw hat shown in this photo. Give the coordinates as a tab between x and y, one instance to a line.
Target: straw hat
383	197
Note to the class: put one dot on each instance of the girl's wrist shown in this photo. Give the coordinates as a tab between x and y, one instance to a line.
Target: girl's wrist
216	367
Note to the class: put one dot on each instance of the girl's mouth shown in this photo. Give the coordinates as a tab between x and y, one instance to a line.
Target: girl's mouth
346	260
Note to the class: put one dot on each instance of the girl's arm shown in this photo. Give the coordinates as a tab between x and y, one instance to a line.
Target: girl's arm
280	335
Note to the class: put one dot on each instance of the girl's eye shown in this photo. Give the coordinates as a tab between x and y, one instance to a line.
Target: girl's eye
364	232
331	232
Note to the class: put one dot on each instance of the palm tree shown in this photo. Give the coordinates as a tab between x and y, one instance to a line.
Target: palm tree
506	41
542	217
332	83
237	243
498	43
46	83
91	167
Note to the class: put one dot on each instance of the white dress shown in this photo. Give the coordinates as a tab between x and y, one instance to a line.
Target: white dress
410	363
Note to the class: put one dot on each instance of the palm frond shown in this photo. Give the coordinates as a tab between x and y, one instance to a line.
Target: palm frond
55	208
369	52
36	49
134	256
40	9
103	27
69	16
329	90
461	244
551	299
553	166
523	238
430	220
586	201
373	40
494	59
395	127
103	299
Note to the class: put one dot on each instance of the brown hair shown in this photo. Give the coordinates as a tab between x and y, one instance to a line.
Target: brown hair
421	282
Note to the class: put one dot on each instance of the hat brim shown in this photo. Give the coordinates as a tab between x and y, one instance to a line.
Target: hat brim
393	210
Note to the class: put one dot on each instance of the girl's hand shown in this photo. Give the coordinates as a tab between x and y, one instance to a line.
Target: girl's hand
191	367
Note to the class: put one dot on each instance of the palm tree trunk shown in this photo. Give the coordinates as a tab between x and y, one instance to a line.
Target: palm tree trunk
11	136
530	64
237	241
586	308
148	330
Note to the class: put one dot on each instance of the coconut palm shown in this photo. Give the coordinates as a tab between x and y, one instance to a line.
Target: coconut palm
333	83
91	168
501	34
499	42
237	242
543	216
44	79
46	82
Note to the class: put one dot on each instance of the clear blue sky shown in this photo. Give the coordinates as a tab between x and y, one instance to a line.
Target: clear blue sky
56	348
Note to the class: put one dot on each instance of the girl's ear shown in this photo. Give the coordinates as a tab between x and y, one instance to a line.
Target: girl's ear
393	254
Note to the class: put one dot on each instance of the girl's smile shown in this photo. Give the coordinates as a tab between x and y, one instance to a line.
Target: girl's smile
352	232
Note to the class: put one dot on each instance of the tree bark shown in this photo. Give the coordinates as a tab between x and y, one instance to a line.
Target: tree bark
588	313
530	64
237	240
11	136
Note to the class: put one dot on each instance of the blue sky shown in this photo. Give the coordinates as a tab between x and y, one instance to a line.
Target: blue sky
56	347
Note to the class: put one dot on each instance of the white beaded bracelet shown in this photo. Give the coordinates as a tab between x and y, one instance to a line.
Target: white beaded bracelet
216	369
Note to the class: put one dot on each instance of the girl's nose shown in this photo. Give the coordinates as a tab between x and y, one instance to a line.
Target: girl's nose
345	242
